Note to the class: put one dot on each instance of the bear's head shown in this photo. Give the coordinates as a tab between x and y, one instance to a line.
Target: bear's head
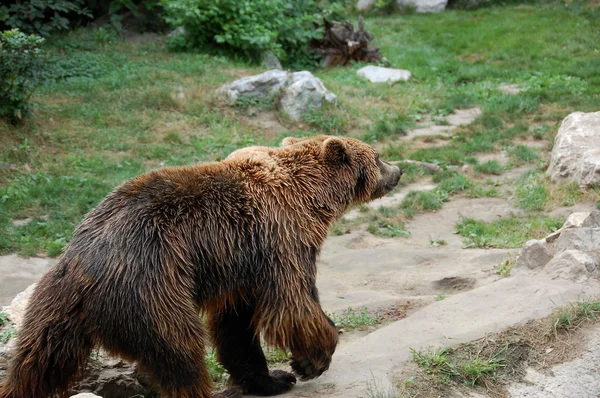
370	176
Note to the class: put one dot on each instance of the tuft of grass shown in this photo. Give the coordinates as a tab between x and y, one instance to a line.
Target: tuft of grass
352	319
504	269
8	334
276	355
440	297
469	371
327	118
490	167
510	232
4	318
531	192
388	230
389	126
437	242
577	313
521	154
217	373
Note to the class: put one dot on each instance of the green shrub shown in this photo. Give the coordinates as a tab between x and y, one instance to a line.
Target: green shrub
21	72
42	17
248	27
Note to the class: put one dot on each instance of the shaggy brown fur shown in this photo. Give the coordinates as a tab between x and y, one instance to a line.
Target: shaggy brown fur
237	240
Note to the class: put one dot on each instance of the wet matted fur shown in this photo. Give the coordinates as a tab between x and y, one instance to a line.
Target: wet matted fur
237	240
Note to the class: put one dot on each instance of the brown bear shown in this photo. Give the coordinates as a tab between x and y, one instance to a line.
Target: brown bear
236	240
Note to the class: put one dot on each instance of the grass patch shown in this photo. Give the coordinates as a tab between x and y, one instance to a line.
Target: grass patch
531	192
505	268
388	230
437	242
4	318
352	319
490	167
8	334
511	232
469	371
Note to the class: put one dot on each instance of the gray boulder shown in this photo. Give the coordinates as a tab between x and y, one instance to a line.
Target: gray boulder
583	239
305	91
576	151
263	85
535	253
573	265
377	74
297	92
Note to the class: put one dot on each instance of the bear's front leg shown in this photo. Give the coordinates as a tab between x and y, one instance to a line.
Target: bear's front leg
313	346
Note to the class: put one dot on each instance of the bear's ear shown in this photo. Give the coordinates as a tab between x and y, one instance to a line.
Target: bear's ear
289	141
334	151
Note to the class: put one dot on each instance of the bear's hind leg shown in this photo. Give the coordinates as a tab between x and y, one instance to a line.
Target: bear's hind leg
168	345
239	351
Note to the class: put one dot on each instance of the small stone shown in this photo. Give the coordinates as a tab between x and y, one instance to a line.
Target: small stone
86	395
378	74
572	265
180	31
535	253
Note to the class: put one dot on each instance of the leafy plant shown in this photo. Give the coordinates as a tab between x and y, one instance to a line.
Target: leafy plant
248	27
42	17
4	318
21	72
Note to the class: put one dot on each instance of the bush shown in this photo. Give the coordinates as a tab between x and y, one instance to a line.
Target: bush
249	27
42	17
21	72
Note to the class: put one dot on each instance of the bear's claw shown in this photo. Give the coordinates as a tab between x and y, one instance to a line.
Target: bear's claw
305	369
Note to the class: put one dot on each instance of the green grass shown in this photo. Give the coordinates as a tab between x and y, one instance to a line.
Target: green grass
510	232
576	314
4	318
113	109
469	371
531	192
353	319
490	167
504	269
8	334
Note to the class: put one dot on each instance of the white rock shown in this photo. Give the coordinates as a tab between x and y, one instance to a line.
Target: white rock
419	5
575	220
180	31
425	5
573	265
576	151
299	90
86	395
583	239
378	74
304	92
535	253
257	86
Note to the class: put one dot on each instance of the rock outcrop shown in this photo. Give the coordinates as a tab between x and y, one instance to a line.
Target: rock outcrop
573	252
295	93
